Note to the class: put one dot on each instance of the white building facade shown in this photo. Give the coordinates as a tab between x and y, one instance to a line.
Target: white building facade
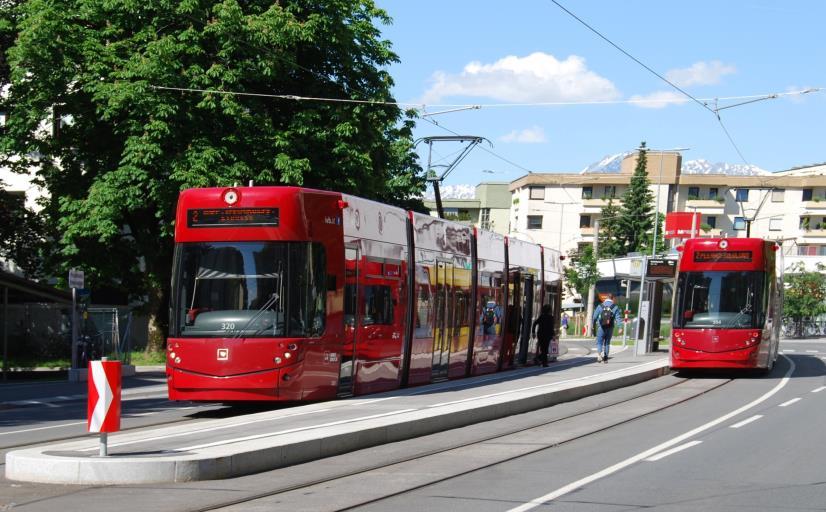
560	210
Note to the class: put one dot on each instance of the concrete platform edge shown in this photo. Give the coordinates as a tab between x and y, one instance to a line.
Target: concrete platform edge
36	465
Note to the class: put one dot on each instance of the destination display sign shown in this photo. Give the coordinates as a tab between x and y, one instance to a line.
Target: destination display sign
661	268
722	256
226	217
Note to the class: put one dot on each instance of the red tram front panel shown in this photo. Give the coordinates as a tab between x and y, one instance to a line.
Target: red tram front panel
257	306
726	305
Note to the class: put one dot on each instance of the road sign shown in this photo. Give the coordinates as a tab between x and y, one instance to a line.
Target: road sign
103	407
76	278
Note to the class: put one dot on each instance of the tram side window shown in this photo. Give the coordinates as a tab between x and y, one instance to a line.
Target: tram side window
378	305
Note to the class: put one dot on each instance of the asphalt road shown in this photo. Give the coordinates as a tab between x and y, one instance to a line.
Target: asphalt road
681	442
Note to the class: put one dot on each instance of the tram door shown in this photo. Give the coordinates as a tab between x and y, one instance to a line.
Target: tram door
525	319
442	321
512	322
351	320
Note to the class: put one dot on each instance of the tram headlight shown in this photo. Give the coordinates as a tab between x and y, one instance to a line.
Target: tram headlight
177	360
172	355
287	355
292	346
277	360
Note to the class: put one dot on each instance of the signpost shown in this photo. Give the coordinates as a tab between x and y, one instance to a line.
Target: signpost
76	280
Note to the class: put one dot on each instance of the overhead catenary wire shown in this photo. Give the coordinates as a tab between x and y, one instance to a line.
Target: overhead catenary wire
480	106
638	61
704	104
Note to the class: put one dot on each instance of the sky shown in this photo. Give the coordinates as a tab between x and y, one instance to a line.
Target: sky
511	57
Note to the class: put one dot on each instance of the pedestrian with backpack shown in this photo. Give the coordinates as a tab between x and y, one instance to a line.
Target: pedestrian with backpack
606	316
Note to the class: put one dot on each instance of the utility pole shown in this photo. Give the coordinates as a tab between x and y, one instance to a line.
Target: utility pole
589	311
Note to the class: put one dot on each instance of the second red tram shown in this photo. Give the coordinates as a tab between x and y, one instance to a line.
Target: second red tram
286	293
727	304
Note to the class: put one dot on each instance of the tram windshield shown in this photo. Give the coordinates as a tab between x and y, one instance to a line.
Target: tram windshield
249	289
720	300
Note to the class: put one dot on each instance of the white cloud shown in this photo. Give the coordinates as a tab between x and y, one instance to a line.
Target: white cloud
532	135
700	73
659	99
538	77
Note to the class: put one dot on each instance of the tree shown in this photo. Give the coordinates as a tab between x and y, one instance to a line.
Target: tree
805	294
137	96
582	272
610	244
636	215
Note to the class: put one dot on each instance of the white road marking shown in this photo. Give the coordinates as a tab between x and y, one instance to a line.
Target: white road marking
42	428
812	351
582	482
818	390
746	422
788	350
672	451
790	402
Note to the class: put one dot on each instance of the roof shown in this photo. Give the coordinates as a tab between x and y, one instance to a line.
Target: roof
25	290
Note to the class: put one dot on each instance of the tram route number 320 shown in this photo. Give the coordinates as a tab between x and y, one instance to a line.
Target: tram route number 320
227	326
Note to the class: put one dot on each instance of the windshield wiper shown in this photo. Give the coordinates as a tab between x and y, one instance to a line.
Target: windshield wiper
270	302
736	318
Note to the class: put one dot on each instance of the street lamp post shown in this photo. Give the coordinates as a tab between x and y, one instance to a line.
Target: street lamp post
659	183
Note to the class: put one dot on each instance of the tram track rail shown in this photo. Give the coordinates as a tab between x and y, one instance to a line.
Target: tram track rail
597	403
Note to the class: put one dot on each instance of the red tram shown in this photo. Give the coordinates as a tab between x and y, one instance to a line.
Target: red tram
286	293
727	304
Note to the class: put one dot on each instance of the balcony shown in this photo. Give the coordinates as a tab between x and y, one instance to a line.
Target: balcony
705	204
599	202
815	205
589	231
711	233
814	233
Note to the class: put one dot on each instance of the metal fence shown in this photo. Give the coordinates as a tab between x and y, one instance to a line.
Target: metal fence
109	329
43	331
807	328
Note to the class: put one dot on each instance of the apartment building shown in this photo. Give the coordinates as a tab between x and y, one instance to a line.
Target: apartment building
560	210
488	209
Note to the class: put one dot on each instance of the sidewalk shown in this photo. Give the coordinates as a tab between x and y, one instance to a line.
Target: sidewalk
235	446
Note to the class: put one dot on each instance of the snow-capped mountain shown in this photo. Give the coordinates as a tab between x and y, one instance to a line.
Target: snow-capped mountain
706	167
452	192
612	163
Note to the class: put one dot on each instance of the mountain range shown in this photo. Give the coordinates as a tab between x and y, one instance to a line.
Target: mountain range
612	164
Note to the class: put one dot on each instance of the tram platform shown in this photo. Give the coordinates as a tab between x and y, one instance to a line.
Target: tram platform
209	449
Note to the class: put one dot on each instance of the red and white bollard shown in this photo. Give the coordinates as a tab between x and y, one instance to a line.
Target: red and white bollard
103	406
